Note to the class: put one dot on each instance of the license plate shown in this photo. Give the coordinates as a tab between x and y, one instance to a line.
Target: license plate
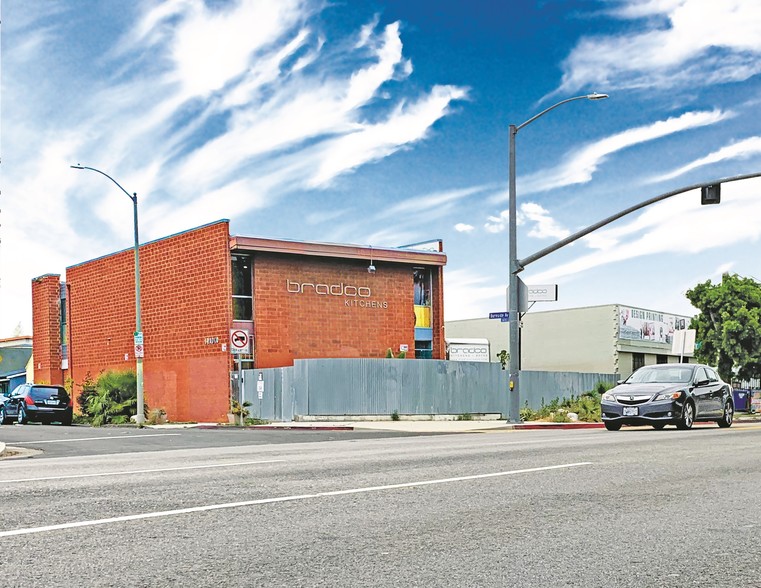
631	411
52	402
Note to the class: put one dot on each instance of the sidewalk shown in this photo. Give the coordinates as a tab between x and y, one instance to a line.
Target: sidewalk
441	426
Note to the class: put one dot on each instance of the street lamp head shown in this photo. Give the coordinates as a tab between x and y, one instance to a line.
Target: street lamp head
78	166
596	96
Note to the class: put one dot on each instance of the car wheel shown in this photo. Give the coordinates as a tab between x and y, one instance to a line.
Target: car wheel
688	417
612	426
3	418
729	413
66	421
659	426
22	419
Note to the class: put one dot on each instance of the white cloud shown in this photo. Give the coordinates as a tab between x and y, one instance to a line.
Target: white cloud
463	228
673	226
739	150
543	225
690	42
470	295
429	203
583	162
206	110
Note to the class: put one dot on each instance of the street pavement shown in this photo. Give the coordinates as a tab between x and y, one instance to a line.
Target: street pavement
403	426
587	508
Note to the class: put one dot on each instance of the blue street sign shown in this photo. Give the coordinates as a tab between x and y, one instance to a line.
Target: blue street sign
505	316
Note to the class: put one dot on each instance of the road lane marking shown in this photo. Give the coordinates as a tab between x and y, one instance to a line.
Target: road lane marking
210	507
127	473
102	438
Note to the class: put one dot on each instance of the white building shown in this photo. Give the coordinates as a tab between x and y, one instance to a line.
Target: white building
612	339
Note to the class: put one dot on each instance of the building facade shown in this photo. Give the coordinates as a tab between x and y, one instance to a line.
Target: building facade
292	300
611	339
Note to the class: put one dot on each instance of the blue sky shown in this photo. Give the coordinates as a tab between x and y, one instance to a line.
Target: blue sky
385	122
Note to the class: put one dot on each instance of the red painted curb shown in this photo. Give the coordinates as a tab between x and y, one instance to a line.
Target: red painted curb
559	426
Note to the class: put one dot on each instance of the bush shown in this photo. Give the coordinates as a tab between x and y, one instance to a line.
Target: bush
83	399
114	399
586	405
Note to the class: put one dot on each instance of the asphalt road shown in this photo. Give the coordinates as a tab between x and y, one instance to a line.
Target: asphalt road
78	440
512	508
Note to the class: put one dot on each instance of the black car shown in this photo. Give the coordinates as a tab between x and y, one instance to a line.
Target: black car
669	394
36	402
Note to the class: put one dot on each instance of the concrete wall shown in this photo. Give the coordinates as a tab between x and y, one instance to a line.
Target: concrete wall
575	339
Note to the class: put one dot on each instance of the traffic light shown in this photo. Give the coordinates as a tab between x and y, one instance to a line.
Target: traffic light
710	194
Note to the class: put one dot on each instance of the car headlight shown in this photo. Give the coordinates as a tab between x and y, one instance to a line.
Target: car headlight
668	396
608	397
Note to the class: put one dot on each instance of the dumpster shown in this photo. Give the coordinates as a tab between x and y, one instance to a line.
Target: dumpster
742	399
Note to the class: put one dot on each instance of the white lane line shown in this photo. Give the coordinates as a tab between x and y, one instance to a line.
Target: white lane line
133	472
167	513
101	438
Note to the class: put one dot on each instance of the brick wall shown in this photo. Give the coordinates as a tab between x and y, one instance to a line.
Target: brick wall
186	316
307	324
46	328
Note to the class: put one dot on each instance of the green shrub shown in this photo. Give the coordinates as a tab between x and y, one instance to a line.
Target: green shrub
83	399
466	416
395	415
239	410
114	399
586	405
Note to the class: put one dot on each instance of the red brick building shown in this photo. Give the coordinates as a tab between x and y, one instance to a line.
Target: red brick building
296	300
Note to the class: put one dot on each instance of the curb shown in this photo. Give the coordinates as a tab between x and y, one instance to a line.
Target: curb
280	427
2	448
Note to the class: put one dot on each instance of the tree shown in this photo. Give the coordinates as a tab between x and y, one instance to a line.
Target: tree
729	325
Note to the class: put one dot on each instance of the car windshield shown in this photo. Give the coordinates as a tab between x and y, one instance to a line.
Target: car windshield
42	393
661	375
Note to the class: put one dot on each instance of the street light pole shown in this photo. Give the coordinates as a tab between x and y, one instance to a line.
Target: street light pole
513	308
138	338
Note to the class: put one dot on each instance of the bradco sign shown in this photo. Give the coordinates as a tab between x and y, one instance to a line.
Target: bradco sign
542	293
353	295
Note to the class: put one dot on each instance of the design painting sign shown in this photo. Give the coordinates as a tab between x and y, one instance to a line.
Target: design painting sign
636	324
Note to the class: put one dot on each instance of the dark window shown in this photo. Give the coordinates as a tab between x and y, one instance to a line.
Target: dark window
243	302
638	360
42	393
423	350
661	359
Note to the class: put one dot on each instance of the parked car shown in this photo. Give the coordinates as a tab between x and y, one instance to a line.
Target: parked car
37	402
669	394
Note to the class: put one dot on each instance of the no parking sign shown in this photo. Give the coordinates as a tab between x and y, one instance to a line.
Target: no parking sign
240	341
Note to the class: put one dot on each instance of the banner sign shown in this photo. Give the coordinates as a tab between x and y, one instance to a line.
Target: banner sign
636	324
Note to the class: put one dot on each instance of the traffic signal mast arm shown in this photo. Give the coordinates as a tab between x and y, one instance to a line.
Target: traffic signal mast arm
522	263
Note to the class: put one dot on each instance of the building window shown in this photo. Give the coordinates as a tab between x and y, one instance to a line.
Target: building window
243	301
422	298
423	350
638	360
64	330
661	358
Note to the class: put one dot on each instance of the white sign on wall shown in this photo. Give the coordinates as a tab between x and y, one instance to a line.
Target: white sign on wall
240	341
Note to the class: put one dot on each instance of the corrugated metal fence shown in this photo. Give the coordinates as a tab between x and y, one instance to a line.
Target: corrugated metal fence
353	387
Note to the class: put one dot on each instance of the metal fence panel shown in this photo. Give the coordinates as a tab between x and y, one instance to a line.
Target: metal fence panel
539	388
347	387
